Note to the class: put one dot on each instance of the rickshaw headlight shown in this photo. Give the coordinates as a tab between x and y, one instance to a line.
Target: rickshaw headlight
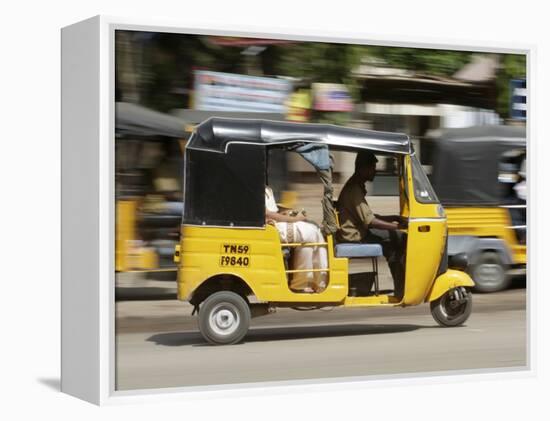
440	211
458	262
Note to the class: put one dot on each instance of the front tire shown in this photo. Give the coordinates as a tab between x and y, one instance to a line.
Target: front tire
224	318
453	308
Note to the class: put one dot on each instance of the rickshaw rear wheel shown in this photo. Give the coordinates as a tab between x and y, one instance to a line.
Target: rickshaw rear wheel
453	308
489	273
224	318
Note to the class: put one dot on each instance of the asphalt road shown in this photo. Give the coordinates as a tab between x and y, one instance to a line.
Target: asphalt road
158	343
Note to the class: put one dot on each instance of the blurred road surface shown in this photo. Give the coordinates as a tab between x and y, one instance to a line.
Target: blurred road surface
158	343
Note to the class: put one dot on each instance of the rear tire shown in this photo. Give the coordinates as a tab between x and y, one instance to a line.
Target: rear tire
224	318
447	312
489	273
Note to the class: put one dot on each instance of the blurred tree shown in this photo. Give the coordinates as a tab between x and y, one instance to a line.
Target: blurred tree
446	63
171	59
428	61
156	69
318	62
126	75
330	62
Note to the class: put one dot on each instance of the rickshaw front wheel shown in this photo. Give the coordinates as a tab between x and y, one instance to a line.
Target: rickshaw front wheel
224	318
453	308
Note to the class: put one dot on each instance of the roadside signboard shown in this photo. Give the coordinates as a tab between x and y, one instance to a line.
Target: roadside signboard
331	97
216	91
518	99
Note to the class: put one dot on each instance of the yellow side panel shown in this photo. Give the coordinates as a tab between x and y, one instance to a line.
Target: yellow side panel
480	222
520	254
485	222
208	251
426	236
128	255
146	258
449	280
125	232
424	252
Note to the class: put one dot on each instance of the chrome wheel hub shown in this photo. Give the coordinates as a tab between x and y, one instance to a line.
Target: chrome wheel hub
489	273
224	319
453	303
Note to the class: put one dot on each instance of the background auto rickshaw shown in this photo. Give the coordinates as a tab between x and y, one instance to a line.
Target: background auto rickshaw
231	264
149	157
474	171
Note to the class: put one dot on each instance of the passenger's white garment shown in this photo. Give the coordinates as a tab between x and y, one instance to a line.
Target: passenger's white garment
311	257
521	190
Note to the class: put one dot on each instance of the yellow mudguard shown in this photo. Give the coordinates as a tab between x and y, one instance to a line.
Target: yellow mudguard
449	280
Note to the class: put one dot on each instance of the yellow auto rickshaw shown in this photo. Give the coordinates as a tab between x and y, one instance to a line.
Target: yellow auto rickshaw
476	172
233	266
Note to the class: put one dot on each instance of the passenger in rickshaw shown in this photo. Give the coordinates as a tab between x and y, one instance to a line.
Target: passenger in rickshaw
359	224
519	215
295	229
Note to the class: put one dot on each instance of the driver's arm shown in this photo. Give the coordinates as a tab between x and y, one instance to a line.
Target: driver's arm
401	221
383	225
369	219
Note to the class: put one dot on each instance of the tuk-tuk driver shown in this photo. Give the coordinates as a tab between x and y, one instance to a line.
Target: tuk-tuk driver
359	224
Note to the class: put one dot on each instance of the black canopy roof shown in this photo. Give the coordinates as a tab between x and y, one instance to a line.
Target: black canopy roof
215	134
492	135
466	163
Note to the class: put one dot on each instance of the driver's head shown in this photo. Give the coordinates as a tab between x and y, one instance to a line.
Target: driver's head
365	165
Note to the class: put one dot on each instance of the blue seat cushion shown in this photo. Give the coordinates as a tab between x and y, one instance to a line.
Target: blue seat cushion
358	250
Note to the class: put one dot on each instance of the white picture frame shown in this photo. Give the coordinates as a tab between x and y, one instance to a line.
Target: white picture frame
88	216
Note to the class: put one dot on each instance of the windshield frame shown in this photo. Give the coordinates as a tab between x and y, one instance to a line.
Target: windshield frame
421	183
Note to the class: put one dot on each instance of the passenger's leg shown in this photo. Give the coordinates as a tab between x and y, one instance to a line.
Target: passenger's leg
301	259
315	257
320	261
